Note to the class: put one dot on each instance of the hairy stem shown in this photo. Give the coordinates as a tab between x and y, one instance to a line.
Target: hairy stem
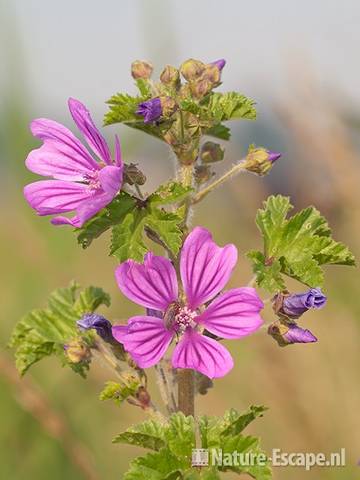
186	391
238	168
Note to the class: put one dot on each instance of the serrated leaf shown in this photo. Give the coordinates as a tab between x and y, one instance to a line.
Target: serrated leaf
111	215
171	192
297	246
155	466
149	434
43	332
120	391
127	237
180	435
167	226
122	108
219	131
235	422
230	106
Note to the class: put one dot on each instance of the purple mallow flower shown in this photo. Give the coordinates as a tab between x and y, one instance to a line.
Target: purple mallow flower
295	305
205	269
151	110
98	323
219	63
81	183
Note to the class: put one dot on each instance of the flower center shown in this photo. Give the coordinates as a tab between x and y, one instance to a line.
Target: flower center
184	318
92	180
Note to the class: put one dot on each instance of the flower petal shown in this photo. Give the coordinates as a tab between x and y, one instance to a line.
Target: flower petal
83	120
146	339
48	197
118	160
110	178
202	354
62	156
205	268
152	284
234	314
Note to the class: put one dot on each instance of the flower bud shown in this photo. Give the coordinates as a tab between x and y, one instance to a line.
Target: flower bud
295	305
203	174
192	69
170	76
201	88
151	110
168	106
290	333
212	74
219	63
259	160
143	397
132	175
211	152
141	69
77	351
98	323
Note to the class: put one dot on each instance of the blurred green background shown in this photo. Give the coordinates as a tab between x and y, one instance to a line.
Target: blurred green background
299	62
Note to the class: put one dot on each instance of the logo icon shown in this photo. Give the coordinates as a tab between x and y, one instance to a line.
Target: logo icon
200	457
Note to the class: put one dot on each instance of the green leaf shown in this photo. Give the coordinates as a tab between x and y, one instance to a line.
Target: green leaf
122	108
111	215
155	466
231	106
149	434
120	391
167	227
180	435
127	237
44	332
144	88
219	131
297	246
235	422
171	192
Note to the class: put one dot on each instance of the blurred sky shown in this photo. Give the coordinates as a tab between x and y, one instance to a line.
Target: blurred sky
83	48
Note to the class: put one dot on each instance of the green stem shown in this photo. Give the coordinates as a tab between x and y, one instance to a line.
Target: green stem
238	168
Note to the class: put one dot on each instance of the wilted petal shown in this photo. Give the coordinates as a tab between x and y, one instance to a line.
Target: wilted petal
205	267
98	323
295	305
62	156
110	178
83	120
202	354
55	196
152	284
146	339
233	314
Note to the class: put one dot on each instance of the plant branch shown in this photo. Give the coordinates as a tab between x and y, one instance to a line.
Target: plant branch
236	169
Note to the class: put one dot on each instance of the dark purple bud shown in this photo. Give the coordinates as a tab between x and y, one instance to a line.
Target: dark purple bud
290	333
273	156
219	63
295	305
98	323
151	110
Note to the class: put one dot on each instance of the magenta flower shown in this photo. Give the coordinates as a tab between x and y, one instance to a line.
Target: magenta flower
205	269
81	183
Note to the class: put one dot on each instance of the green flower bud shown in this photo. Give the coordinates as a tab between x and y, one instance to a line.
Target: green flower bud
132	175
170	76
259	160
192	69
77	351
211	152
168	105
141	69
